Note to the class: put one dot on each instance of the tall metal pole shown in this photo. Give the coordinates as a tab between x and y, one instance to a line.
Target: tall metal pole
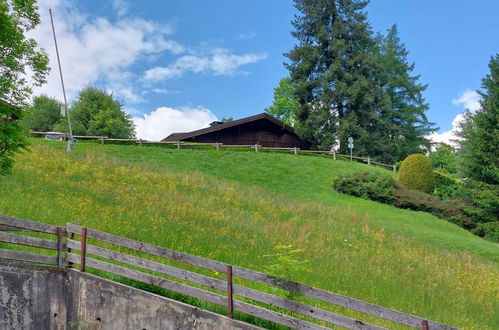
70	140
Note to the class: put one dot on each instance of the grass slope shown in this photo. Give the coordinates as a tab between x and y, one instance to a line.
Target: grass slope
237	206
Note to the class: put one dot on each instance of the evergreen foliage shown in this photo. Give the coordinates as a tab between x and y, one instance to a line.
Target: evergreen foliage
480	132
22	66
44	113
348	83
416	173
405	105
370	185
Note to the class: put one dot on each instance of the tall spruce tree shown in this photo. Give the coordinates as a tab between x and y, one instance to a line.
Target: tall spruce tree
335	69
404	114
480	132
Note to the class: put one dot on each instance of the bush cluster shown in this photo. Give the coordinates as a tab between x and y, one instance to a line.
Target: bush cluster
420	201
445	185
368	185
481	200
489	230
462	212
416	173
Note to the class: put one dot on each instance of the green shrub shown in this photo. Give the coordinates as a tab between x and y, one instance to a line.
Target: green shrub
417	200
480	201
382	188
416	173
369	185
467	204
445	185
444	158
489	230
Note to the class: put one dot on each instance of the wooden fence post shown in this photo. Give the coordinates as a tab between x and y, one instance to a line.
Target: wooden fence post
59	247
178	145
295	150
101	140
230	300
424	325
83	248
334	154
68	250
256	147
394	168
218	146
368	161
140	142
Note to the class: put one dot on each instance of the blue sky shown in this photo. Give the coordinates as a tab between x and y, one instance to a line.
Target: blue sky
177	65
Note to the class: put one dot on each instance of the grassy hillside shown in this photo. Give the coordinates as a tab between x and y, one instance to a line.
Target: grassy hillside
237	206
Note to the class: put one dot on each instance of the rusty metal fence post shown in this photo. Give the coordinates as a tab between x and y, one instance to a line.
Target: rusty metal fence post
424	325
83	248
230	301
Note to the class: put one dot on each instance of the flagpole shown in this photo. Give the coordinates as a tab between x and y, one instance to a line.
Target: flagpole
70	139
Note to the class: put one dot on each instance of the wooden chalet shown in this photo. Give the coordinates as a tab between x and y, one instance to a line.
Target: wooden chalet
261	129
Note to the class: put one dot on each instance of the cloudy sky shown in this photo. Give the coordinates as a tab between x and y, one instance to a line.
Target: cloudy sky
178	65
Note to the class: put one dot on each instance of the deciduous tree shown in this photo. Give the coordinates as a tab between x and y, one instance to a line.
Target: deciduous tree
285	105
22	66
43	114
96	112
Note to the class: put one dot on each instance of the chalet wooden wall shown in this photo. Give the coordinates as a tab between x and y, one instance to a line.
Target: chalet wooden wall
262	132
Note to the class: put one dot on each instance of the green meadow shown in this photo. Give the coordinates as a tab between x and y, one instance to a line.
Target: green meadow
237	206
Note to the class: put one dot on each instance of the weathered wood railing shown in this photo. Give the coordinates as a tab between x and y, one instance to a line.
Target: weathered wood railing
255	147
10	224
80	252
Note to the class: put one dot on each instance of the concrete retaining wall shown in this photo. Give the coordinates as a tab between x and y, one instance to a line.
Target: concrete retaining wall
33	297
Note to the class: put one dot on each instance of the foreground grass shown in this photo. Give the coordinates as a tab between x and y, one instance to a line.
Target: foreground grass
236	207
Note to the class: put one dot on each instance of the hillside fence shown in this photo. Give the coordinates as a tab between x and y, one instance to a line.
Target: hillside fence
73	245
218	146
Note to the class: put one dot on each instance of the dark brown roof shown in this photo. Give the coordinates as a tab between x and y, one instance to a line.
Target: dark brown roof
182	136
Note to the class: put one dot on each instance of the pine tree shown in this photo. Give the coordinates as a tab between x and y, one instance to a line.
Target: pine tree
480	132
404	115
335	69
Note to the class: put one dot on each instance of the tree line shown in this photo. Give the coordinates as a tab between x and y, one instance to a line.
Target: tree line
94	112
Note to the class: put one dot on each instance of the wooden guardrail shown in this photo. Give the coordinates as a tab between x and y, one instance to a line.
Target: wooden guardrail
15	224
236	297
255	147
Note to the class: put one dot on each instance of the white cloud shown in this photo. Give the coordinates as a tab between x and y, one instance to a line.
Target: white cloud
95	49
164	91
249	35
120	6
470	100
218	61
448	137
163	121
